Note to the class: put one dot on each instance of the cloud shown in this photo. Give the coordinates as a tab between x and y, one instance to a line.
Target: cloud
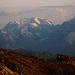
56	6
31	11
33	3
62	14
43	8
3	13
56	15
74	7
59	15
59	10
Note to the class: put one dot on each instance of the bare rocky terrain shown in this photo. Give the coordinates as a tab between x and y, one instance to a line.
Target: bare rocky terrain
12	63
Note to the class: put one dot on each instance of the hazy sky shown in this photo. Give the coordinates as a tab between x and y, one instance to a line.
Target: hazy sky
15	3
55	10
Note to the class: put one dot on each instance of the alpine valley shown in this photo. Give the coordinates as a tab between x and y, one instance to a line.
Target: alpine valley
39	34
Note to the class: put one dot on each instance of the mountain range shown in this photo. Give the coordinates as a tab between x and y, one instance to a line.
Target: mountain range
39	34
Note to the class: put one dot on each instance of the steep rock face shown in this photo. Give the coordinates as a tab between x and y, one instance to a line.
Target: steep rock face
71	38
12	63
66	59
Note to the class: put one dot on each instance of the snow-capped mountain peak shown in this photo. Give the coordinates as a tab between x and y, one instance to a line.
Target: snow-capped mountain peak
34	24
49	22
36	20
25	20
17	22
28	26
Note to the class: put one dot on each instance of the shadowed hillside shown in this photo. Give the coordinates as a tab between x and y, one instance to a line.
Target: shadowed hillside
12	63
43	55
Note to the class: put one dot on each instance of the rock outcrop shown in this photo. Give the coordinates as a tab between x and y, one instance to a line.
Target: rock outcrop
66	59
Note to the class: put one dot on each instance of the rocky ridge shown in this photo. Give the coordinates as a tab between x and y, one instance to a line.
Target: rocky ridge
12	63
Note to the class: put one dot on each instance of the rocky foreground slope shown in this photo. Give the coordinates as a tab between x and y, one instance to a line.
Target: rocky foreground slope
12	63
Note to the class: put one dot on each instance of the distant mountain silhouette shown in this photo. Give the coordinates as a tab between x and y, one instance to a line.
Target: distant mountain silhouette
62	39
39	54
39	34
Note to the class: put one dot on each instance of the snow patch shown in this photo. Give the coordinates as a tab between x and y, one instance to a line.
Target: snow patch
34	24
3	32
44	39
10	37
20	25
36	19
49	22
11	29
17	22
38	34
26	20
25	31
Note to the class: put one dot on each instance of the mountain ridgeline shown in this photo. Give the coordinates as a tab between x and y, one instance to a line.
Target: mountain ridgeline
39	54
39	34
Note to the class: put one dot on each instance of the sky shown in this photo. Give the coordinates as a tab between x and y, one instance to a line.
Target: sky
56	11
15	3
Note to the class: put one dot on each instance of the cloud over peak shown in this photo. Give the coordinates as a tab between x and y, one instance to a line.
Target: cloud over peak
56	6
